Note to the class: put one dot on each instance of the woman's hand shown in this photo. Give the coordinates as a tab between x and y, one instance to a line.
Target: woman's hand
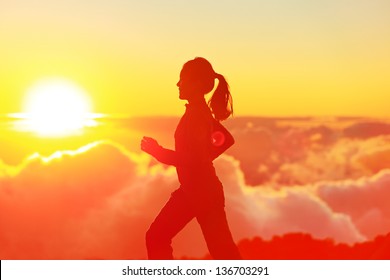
150	146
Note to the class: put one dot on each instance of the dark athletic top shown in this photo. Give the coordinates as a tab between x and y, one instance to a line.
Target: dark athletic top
194	154
193	144
193	147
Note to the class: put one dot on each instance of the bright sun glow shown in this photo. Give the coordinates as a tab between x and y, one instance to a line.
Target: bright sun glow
56	107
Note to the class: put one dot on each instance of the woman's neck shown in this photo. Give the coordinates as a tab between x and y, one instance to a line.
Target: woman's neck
197	101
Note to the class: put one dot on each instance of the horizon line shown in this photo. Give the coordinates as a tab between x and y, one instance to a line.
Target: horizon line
21	115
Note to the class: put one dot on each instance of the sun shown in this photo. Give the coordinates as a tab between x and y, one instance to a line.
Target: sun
56	107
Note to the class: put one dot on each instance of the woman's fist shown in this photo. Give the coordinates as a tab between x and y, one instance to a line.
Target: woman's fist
150	145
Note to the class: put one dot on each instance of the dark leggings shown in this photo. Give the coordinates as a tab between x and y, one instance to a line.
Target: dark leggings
176	213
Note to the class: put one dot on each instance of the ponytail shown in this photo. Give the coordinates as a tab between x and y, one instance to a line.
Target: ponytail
221	103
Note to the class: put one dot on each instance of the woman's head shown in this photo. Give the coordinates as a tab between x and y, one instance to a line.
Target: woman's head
197	78
198	75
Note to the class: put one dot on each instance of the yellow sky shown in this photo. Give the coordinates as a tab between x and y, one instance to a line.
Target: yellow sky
325	57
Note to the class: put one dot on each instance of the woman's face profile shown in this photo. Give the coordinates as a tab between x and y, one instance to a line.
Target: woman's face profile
186	86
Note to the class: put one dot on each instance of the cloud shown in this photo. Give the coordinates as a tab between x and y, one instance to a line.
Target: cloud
344	159
367	129
267	211
364	200
98	202
305	151
346	210
44	205
375	157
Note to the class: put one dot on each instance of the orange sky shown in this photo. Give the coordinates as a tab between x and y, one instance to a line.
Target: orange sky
281	58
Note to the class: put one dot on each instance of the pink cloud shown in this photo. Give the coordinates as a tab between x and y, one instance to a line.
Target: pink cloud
365	200
98	202
266	211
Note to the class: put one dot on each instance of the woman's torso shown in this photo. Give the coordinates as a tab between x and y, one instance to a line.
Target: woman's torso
193	145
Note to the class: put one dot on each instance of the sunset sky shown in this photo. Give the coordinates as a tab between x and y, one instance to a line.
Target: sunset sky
282	58
82	82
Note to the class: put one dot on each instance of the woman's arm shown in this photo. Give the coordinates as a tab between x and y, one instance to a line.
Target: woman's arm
221	139
166	156
196	152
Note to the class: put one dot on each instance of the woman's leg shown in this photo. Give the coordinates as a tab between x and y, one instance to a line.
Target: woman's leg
172	218
217	234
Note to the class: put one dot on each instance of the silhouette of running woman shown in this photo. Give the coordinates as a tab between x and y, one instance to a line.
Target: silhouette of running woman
199	139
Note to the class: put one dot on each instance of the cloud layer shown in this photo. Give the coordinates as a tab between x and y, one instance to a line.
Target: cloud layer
99	200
